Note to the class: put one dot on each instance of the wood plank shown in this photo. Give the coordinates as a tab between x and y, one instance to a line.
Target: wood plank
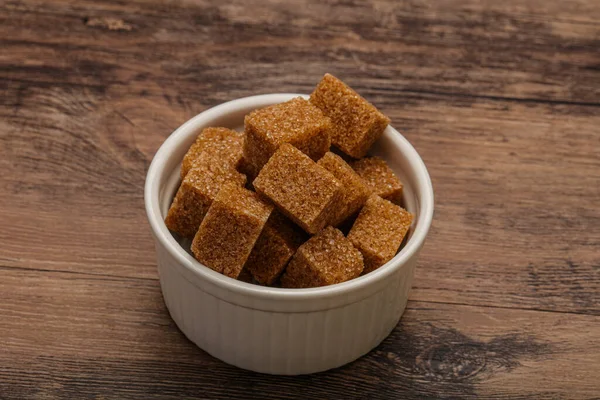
522	50
120	342
499	98
516	191
514	226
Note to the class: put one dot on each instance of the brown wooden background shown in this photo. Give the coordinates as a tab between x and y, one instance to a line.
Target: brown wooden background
501	99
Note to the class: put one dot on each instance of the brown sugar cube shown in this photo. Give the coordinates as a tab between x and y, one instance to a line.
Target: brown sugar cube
245	276
248	169
379	230
230	229
380	178
302	190
275	246
324	259
347	224
197	192
354	190
357	124
221	144
296	122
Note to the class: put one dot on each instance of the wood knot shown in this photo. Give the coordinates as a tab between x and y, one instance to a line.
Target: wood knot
452	362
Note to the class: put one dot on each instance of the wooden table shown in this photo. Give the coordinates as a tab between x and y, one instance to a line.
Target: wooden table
501	99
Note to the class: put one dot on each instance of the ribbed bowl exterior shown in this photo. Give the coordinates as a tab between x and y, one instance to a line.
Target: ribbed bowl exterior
287	343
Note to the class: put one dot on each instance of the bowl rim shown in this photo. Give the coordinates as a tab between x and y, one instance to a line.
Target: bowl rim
423	189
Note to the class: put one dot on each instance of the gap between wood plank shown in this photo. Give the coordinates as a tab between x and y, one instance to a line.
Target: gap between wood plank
452	303
524	100
62	271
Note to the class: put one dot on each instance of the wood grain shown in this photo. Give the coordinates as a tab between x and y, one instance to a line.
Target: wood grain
499	98
520	51
544	254
121	342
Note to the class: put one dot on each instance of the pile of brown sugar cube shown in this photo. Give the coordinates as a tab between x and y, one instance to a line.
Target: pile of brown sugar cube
269	206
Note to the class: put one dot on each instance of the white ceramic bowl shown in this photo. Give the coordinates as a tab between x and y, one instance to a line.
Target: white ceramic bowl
275	330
